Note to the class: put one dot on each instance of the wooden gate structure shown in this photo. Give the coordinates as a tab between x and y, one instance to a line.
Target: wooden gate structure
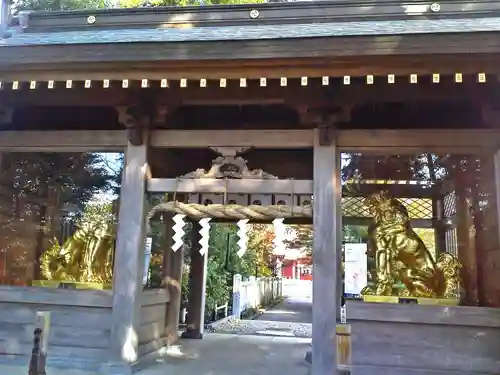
300	91
227	191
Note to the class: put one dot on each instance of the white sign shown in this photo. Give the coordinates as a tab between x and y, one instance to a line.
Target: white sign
356	268
147	258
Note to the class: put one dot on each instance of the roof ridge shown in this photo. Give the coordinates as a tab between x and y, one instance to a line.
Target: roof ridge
252	14
258	32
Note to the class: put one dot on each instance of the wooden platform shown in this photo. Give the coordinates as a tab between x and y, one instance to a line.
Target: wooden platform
403	339
54	284
412	300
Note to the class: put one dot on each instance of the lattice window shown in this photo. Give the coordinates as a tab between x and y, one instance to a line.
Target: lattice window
354	207
418	208
450	204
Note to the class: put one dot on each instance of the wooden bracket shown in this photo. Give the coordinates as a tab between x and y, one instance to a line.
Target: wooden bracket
160	116
327	133
6	116
490	115
136	120
326	120
328	127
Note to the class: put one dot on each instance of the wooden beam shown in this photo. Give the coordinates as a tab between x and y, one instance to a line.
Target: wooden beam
395	190
383	141
248	186
366	221
61	141
418	140
325	257
233	138
44	296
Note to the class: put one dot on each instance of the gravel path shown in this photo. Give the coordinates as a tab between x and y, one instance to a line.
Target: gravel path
292	317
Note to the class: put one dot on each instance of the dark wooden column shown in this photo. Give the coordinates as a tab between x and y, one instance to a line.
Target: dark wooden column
196	308
466	246
488	251
173	280
438	224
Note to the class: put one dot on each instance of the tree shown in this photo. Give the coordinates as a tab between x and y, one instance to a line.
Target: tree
301	238
156	3
224	262
259	251
60	5
36	190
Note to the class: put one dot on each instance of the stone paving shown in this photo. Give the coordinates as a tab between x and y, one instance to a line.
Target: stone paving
222	354
23	370
218	354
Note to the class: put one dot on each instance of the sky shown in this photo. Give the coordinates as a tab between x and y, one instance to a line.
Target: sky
112	163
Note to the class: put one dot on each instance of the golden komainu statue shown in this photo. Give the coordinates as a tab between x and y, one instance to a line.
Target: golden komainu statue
86	257
402	257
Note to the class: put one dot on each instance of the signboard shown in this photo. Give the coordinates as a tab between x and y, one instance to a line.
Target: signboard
356	268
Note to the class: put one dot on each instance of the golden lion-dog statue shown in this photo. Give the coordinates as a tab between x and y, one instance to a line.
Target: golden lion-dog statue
402	257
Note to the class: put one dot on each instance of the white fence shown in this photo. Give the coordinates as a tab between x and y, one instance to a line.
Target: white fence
252	293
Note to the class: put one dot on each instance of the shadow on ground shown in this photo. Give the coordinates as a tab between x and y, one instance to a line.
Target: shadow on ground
220	354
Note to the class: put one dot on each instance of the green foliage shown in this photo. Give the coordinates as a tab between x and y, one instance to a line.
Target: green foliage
224	262
59	5
218	288
76	176
98	214
185	287
64	5
156	3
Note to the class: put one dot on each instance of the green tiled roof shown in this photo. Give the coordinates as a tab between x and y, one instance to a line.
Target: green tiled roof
257	32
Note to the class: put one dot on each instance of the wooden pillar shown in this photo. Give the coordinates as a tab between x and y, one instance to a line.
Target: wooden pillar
128	265
339	238
197	280
438	225
466	247
489	257
173	281
437	209
326	253
496	165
